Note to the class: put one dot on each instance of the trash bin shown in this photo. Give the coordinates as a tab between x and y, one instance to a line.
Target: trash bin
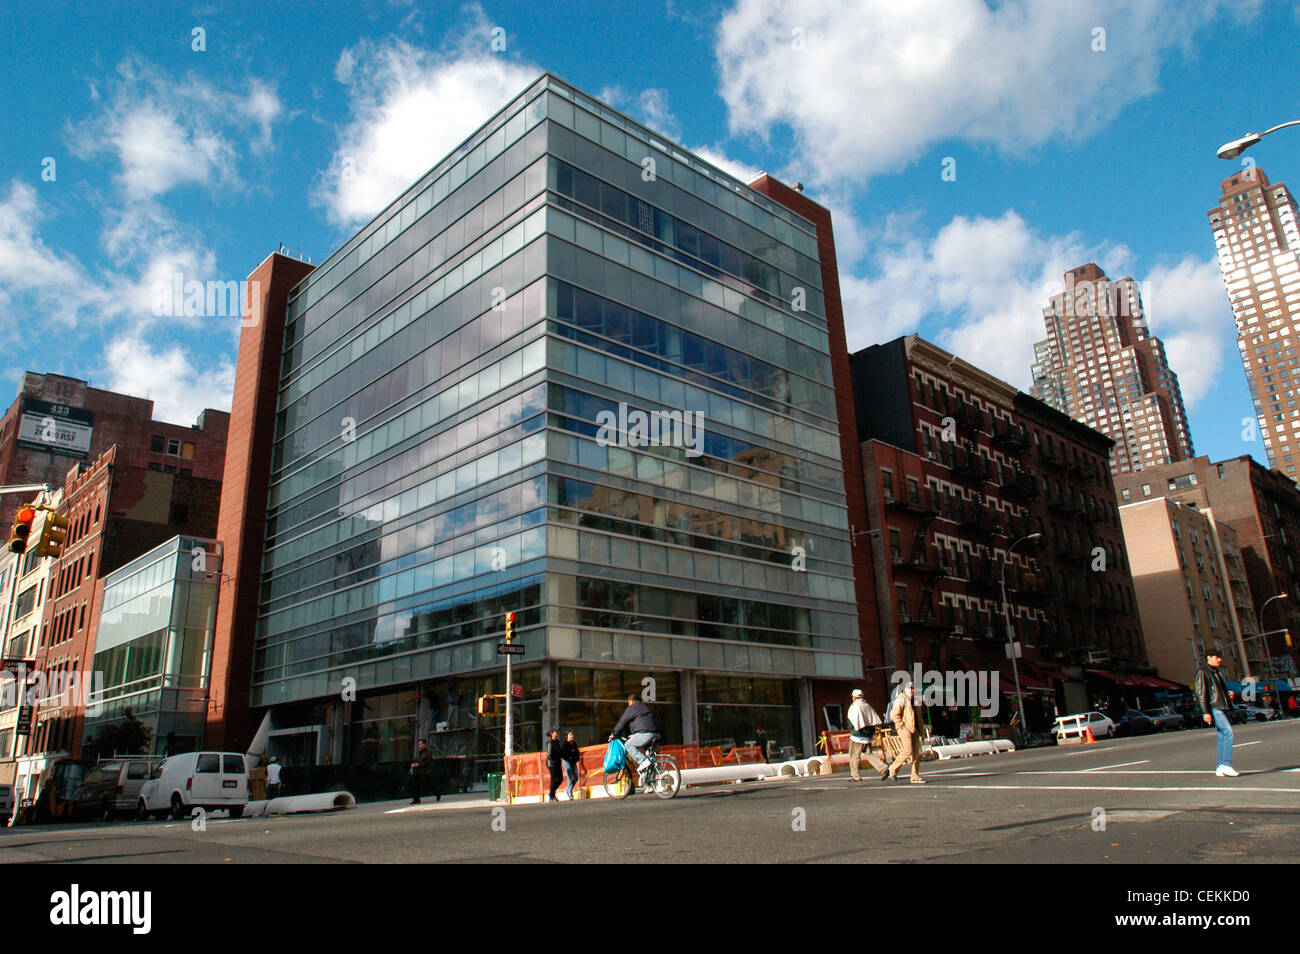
495	786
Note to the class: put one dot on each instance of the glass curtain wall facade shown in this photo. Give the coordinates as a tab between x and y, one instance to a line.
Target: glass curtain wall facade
154	642
458	435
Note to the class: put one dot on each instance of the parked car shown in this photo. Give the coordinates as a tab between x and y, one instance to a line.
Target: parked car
1258	713
1134	722
112	788
1237	715
1102	726
6	803
1166	718
208	780
1191	714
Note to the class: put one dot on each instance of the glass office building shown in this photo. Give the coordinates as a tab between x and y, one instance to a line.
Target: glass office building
153	644
577	373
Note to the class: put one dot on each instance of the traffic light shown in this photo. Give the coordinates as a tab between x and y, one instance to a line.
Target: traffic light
489	705
1286	634
22	528
510	627
54	530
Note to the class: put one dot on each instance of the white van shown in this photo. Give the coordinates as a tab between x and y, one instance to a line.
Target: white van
208	780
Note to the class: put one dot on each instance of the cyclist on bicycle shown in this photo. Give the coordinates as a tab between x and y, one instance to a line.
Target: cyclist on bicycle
640	722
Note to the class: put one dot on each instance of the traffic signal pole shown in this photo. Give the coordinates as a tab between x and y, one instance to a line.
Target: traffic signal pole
510	739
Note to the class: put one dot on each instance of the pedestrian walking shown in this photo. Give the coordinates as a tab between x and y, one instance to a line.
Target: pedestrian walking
273	778
862	722
421	770
909	725
569	755
257	783
555	761
1214	699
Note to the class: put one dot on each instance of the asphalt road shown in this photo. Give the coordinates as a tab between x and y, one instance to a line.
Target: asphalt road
1140	800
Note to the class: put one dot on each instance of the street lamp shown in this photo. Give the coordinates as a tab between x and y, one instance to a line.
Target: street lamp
1262	624
1006	615
1231	150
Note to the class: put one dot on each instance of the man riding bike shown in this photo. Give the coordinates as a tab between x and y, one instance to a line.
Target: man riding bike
640	722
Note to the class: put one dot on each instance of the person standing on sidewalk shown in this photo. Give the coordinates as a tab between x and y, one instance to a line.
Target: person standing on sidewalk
908	723
570	756
862	722
421	769
1214	699
554	761
273	778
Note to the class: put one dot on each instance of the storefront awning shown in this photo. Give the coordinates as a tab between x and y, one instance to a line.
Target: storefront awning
1117	677
1029	682
1155	682
1055	674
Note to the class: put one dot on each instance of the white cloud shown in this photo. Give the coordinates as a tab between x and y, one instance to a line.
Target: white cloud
54	286
733	167
1187	307
410	107
165	133
166	374
977	287
867	87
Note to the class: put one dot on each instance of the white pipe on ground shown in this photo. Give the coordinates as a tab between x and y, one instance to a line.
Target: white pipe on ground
293	804
965	749
729	773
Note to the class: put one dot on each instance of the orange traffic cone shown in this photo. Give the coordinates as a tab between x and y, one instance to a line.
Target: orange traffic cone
1088	737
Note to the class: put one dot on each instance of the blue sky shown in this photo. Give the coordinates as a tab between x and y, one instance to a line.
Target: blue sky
170	159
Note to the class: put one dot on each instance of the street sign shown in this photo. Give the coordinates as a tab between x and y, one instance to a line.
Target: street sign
517	691
510	649
1012	649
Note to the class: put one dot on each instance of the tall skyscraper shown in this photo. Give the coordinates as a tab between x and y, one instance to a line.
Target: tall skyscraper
1101	365
1255	232
576	373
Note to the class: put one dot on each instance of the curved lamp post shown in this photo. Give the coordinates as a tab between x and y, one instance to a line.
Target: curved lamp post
1231	150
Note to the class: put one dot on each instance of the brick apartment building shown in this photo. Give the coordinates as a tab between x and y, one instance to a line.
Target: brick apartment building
1191	587
1101	365
1258	239
116	511
56	421
1263	507
960	467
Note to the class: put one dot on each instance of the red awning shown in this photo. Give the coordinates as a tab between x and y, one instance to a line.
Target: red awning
1117	677
1056	674
1028	681
1155	682
1006	680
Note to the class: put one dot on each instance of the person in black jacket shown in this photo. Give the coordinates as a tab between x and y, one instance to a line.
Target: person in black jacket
554	761
640	722
569	755
1215	700
420	771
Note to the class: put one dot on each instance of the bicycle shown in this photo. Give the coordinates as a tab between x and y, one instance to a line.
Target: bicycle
662	777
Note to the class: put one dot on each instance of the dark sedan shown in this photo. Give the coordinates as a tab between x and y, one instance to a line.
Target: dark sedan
1135	722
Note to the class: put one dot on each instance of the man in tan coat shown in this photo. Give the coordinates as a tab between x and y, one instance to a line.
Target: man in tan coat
906	715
